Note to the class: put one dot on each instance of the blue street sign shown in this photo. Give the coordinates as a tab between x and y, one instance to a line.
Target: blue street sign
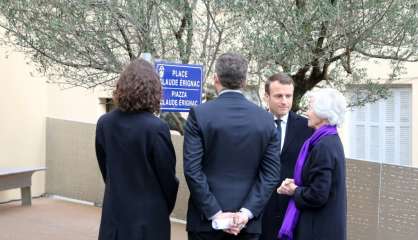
182	86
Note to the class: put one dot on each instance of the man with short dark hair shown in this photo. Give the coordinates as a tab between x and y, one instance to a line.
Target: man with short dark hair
293	130
230	159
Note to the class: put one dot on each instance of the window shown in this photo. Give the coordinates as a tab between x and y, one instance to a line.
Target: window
381	131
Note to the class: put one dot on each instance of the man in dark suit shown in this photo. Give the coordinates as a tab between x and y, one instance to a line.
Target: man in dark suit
294	131
230	159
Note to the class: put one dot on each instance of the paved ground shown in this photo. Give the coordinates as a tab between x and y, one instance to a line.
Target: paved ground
49	219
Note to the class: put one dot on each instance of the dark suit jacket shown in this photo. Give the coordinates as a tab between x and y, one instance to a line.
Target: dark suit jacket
137	162
230	147
297	131
322	199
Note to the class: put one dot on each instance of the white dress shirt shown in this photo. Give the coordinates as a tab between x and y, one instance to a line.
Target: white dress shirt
283	125
225	90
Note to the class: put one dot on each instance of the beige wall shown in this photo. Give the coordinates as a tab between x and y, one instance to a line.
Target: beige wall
70	145
25	103
74	104
22	128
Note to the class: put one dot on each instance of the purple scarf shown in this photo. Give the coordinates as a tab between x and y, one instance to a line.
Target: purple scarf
292	213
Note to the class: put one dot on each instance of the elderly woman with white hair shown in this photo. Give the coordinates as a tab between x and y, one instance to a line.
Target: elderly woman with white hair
318	209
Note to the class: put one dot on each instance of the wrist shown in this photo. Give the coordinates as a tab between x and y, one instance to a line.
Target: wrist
215	215
246	212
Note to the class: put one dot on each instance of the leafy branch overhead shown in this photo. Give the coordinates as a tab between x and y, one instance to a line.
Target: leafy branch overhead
330	41
86	43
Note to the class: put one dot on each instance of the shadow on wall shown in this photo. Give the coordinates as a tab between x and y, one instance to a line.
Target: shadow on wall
382	199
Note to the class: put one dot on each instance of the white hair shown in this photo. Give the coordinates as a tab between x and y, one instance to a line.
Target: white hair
329	104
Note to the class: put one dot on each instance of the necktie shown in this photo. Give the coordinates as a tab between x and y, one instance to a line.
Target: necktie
279	130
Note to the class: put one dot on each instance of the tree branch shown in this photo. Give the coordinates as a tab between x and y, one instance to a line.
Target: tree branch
338	57
321	39
218	44
300	74
189	39
386	57
161	38
347	65
300	4
185	21
325	71
206	37
211	16
179	33
126	40
368	29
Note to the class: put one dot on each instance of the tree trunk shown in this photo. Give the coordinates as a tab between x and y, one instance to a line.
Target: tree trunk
304	84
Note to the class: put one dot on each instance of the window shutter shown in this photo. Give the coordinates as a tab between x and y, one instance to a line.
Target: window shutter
374	138
360	114
404	146
359	142
404	106
374	115
381	131
390	145
390	109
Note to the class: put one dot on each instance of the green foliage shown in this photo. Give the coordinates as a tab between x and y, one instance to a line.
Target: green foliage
318	42
329	42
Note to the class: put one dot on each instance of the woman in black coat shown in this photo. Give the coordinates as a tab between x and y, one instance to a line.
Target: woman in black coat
137	160
318	208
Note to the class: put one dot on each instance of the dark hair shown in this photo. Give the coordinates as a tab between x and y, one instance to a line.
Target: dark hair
231	69
280	77
138	88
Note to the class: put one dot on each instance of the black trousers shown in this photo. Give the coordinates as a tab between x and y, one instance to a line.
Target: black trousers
220	235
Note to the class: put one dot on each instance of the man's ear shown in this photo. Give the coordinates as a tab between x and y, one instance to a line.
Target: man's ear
217	83
215	79
243	84
266	98
267	101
